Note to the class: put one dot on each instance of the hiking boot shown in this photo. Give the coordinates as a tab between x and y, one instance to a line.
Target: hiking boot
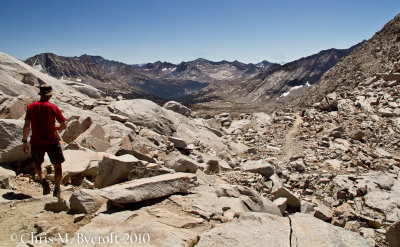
56	192
46	186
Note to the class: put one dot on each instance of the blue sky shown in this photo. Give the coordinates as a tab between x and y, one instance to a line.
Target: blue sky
141	31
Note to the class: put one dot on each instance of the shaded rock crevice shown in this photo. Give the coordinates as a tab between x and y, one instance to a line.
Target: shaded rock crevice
291	232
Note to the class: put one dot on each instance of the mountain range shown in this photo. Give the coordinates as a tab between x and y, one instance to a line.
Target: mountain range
276	82
194	81
160	79
84	69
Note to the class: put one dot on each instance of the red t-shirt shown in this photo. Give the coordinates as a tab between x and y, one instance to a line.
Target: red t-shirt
43	115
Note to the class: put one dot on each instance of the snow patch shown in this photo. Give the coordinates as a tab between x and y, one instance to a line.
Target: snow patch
294	88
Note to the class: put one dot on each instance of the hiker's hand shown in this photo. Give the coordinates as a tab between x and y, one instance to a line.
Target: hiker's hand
25	147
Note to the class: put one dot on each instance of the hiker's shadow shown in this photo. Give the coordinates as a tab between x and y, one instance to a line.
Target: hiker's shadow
14	196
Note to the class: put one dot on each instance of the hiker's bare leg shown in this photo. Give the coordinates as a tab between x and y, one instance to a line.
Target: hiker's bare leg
43	181
57	179
39	170
57	175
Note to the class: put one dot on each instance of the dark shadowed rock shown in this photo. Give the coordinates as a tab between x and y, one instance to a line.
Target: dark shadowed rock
10	141
178	143
329	103
292	201
393	235
259	166
324	213
281	203
357	135
182	163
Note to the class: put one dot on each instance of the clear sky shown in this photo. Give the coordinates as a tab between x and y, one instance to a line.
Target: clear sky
141	31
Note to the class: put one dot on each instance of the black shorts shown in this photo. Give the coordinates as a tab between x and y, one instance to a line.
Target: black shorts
54	152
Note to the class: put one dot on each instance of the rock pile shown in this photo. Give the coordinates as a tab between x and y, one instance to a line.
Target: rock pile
349	164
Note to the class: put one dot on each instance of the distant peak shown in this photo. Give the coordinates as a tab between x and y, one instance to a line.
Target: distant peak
201	60
47	54
86	56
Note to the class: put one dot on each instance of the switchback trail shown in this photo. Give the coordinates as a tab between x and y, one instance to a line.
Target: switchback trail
290	144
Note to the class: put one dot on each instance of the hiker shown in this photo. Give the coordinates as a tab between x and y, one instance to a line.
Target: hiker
41	116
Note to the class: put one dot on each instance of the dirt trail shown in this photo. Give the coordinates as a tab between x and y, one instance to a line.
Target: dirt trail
291	146
22	208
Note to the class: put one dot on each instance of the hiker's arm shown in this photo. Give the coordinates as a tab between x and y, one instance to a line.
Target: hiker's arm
63	126
25	134
26	130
